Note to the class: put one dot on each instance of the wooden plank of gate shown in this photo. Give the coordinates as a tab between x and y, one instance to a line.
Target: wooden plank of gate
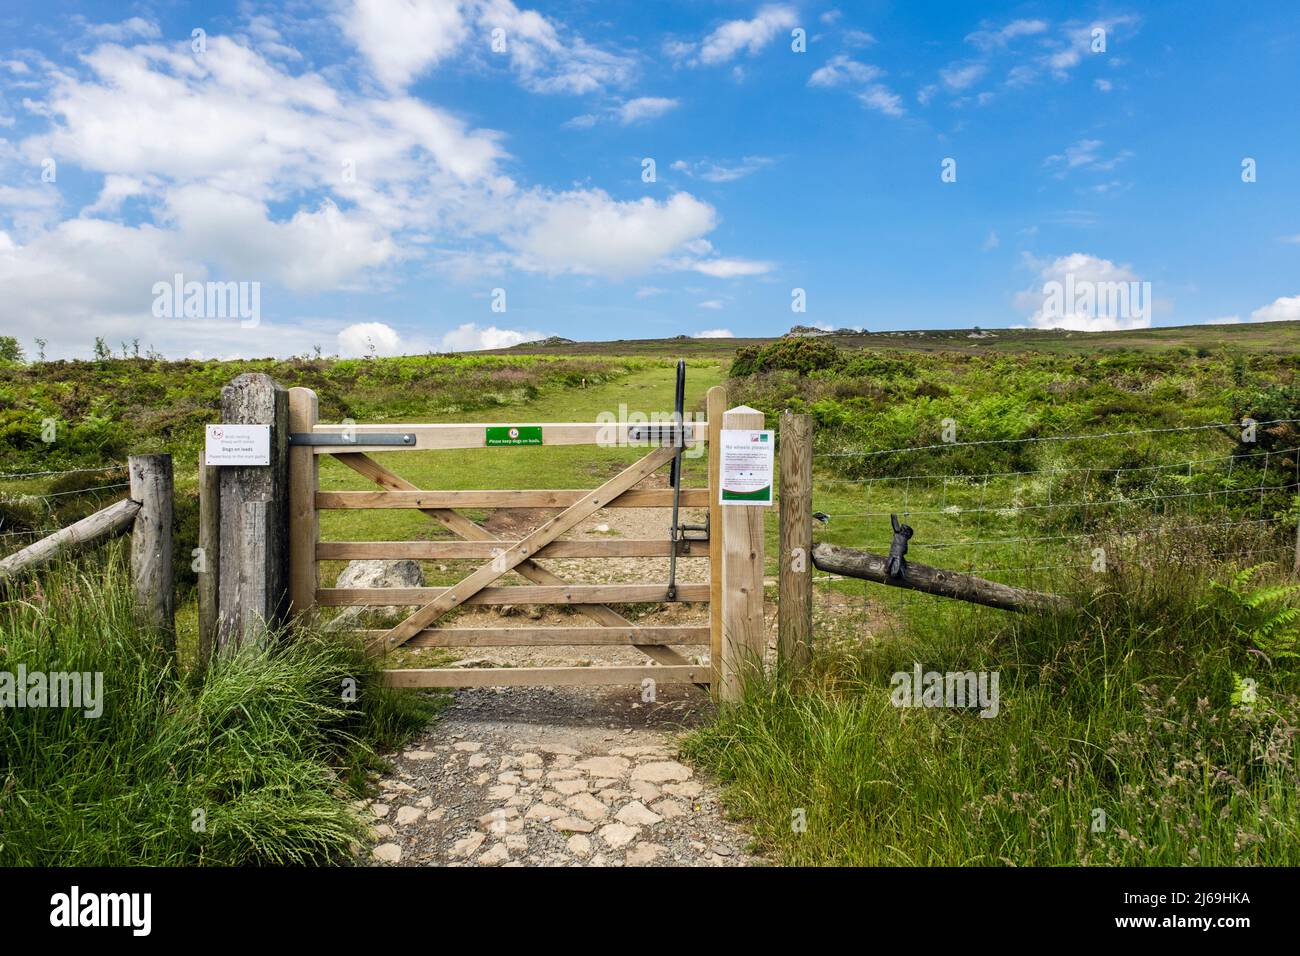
502	498
550	636
543	676
448	550
546	533
715	405
581	594
367	466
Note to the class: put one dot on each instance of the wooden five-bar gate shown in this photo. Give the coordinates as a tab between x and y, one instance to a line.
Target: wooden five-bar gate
734	635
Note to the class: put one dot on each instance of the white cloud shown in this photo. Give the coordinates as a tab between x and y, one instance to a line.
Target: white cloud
1066	53
471	338
992	39
991	242
1085	155
402	38
714	334
126	30
356	341
313	250
645	108
546	58
1107	297
588	232
115	191
882	100
1292	239
1104	86
959	76
1283	309
732	268
711	304
583	121
841	69
648	290
722	172
738	36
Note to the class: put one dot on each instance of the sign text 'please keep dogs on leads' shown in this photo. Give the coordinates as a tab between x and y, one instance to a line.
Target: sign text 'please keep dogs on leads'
237	445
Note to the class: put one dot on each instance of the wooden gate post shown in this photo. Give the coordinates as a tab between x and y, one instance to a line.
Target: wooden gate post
744	638
151	544
209	557
304	521
794	607
254	573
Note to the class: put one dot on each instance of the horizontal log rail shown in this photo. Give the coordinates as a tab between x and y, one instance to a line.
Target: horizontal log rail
352	438
116	519
519	594
534	498
440	550
921	577
551	636
542	676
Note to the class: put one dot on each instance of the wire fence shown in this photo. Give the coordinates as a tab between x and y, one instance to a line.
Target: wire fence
28	515
1226	490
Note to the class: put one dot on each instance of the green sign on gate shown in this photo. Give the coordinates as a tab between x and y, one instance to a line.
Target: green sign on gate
513	435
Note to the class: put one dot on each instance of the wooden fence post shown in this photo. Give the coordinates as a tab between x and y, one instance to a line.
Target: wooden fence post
210	557
715	408
744	639
254	574
151	544
794	608
304	521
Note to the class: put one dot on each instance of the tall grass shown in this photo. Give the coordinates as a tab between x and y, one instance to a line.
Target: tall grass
1127	708
254	761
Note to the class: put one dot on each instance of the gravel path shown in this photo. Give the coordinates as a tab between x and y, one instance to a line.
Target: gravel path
554	777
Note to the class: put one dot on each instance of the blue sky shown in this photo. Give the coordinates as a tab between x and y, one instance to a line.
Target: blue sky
381	169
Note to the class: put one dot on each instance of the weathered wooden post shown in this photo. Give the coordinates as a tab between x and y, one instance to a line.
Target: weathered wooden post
794	607
304	522
209	557
743	635
715	408
151	544
254	516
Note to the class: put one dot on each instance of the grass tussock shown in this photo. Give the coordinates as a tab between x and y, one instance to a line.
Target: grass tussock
253	762
1167	703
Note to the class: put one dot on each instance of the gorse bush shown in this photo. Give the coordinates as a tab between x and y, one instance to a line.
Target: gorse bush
254	761
1122	738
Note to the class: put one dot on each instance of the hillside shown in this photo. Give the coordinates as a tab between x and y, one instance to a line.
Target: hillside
1265	337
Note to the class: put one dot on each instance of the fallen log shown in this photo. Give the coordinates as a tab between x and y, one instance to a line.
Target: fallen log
921	577
111	521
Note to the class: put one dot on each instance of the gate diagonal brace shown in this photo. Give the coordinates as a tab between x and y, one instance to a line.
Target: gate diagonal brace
367	467
457	594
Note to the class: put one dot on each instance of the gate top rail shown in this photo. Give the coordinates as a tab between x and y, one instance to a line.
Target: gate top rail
399	436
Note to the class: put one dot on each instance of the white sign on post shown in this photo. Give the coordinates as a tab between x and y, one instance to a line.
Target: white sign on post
237	445
747	458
